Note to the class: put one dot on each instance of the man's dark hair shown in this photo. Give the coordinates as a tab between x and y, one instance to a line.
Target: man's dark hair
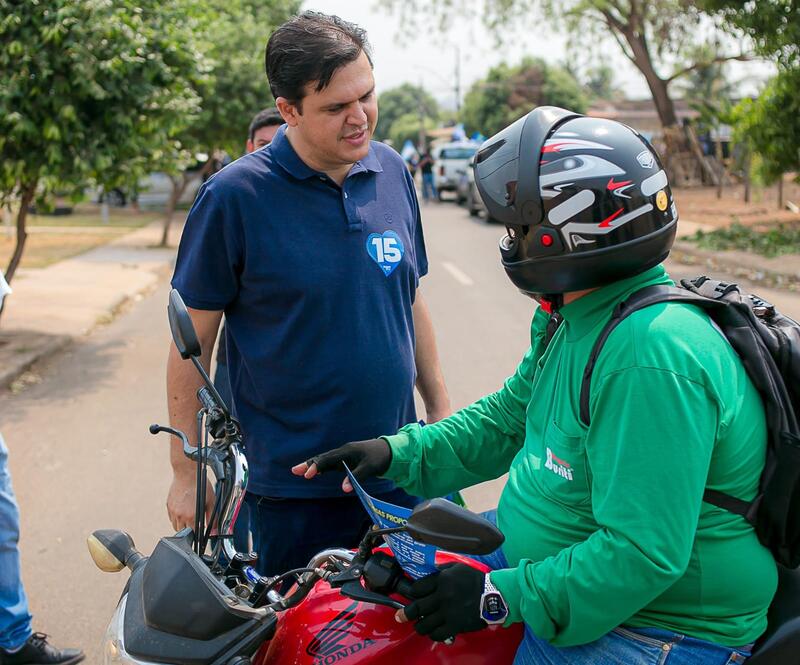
309	48
264	118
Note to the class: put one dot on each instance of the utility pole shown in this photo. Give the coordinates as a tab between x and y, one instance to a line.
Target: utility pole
458	82
423	137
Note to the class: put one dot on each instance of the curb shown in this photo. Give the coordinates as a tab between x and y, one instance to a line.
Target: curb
44	347
780	273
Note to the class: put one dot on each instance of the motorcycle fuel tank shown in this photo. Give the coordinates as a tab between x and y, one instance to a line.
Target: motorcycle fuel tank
330	629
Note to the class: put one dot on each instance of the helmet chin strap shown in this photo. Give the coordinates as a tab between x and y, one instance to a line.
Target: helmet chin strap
550	302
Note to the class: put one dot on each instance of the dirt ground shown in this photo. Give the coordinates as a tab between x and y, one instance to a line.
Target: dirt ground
701	205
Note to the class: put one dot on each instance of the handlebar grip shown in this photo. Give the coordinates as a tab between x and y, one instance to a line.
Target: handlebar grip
404	587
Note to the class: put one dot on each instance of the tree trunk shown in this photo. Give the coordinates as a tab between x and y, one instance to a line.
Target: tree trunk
747	176
721	161
22	235
659	88
780	192
28	192
178	188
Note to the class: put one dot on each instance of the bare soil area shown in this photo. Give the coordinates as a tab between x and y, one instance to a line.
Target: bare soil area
701	205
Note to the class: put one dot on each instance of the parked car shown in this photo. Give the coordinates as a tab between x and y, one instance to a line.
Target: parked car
467	193
450	161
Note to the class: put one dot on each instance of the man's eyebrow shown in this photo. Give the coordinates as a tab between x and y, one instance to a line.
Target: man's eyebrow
335	105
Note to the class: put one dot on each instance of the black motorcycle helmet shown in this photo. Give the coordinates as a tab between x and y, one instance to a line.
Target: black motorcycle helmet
585	200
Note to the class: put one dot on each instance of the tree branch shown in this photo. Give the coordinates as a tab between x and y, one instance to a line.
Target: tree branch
706	63
617	29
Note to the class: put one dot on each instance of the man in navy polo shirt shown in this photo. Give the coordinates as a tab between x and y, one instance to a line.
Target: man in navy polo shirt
313	249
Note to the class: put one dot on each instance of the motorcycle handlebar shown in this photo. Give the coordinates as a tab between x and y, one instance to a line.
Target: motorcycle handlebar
404	587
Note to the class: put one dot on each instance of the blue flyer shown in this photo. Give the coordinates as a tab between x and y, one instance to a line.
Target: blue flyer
416	559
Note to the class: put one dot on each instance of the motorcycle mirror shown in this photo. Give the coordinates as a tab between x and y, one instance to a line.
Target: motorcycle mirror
112	550
442	523
180	324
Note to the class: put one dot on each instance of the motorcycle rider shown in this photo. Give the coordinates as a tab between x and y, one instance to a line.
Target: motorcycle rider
611	555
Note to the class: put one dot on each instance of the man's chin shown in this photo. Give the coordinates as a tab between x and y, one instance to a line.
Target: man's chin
355	153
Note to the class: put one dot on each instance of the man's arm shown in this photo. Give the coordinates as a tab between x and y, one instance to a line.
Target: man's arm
183	382
430	381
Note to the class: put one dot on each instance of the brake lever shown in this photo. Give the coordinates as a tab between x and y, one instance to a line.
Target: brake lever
355	590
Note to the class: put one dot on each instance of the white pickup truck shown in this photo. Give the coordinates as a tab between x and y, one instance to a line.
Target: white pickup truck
450	161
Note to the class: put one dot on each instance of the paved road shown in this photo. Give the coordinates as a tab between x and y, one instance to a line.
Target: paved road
82	459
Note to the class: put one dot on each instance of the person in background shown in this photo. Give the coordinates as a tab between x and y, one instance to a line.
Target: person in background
425	165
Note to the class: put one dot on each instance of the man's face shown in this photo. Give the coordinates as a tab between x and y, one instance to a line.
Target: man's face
336	124
261	137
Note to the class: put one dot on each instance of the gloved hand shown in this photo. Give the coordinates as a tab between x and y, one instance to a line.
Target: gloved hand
364	458
446	603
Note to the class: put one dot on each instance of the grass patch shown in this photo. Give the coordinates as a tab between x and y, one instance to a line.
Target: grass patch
116	219
770	241
44	249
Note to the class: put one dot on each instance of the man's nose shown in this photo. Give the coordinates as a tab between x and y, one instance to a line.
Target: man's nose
358	115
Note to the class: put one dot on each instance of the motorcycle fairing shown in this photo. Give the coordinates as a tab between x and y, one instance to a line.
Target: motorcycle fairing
177	612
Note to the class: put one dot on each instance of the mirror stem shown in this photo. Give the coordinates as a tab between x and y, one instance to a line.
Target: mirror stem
210	386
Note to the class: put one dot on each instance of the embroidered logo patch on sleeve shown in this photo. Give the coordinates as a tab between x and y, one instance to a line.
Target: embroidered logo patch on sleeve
386	250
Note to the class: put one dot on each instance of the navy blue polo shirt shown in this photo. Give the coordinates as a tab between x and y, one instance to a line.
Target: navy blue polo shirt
317	283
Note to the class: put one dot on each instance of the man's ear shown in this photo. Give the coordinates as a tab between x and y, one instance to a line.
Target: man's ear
289	111
249	146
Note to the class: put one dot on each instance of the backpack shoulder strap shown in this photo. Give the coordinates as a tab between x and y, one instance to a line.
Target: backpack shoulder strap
649	295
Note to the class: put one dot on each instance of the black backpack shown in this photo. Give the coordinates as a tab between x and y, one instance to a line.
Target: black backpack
768	344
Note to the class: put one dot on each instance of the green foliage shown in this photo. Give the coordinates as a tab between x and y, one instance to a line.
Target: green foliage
600	84
507	93
774	25
708	90
777	240
770	126
403	100
234	34
406	128
93	89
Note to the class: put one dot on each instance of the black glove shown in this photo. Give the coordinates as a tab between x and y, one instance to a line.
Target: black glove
364	458
448	602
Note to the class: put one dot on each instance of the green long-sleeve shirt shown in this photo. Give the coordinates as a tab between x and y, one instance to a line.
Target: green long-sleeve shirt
606	525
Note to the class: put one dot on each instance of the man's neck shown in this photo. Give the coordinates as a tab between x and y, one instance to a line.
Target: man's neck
335	173
572	296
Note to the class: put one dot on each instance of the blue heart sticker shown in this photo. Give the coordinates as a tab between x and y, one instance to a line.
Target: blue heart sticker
386	250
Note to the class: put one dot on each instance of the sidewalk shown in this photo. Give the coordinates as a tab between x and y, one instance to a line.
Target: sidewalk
53	306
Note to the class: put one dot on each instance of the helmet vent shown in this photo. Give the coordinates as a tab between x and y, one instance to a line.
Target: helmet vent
489	150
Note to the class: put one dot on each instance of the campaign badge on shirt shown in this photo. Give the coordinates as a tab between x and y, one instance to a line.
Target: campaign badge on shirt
386	249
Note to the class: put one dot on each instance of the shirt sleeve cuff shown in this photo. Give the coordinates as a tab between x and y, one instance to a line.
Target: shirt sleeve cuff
505	580
523	600
398	444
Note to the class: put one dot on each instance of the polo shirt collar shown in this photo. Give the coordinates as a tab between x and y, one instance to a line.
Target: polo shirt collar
586	313
285	155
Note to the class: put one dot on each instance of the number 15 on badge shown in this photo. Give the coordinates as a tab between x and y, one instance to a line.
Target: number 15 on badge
386	250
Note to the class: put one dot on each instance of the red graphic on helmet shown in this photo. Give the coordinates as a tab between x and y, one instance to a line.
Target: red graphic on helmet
612	186
607	221
619	188
567	170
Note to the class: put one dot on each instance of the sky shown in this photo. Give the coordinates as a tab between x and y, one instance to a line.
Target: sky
429	58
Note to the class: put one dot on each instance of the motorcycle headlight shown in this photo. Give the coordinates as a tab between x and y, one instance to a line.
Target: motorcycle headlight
113	643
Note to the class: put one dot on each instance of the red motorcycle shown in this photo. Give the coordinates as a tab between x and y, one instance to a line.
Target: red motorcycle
196	601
